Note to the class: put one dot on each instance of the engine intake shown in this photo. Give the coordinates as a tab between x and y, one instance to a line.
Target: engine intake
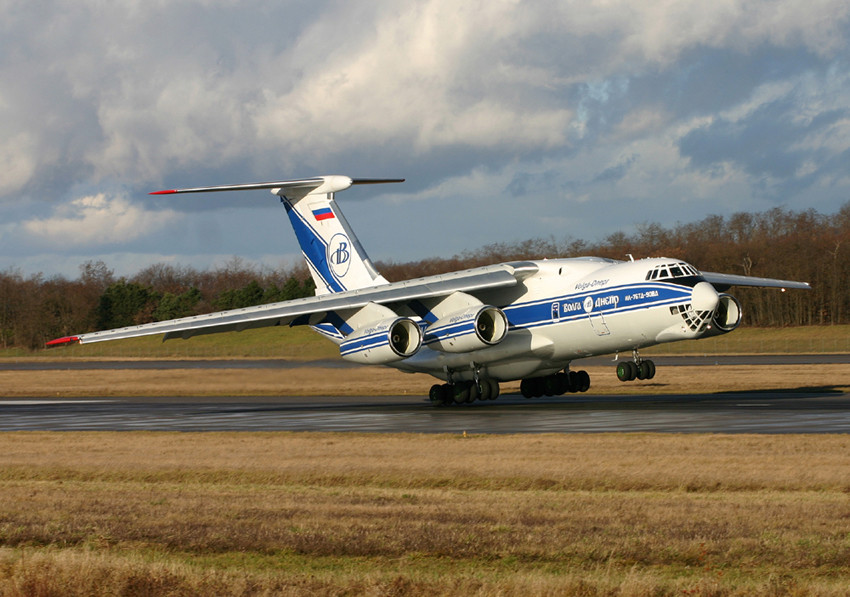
727	316
383	342
466	330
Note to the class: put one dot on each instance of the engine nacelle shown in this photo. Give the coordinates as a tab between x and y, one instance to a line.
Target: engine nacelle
383	342
471	329
726	318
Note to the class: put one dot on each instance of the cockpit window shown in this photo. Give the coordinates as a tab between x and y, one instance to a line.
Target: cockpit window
671	270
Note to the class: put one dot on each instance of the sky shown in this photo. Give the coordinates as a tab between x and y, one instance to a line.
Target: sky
509	120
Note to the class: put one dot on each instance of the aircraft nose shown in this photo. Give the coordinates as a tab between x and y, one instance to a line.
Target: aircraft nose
704	297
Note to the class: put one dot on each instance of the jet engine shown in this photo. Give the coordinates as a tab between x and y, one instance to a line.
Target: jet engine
726	318
383	342
470	329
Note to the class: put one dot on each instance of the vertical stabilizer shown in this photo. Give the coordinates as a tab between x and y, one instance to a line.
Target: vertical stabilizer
336	259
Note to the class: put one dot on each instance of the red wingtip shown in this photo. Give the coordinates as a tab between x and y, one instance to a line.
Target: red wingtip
168	192
63	341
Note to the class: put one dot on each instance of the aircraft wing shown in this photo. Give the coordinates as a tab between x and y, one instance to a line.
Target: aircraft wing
312	310
723	282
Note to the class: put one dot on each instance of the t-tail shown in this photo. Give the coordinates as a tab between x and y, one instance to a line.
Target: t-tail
334	255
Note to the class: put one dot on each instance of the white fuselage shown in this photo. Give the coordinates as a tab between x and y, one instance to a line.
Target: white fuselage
575	308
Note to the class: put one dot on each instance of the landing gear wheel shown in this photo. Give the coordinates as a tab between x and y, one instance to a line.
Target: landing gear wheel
583	380
494	389
562	384
461	393
623	371
551	385
646	370
474	392
437	394
539	387
572	378
525	388
484	389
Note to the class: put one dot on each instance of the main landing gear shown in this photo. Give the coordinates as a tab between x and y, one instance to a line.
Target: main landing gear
555	385
636	369
467	392
464	392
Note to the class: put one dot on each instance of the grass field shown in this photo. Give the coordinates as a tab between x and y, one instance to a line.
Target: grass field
349	514
346	514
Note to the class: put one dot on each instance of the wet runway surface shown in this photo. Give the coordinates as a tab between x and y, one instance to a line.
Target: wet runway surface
802	410
820	410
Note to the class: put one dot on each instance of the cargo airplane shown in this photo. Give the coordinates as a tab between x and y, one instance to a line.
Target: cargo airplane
472	329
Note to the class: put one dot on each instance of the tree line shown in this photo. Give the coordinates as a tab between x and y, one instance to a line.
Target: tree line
778	243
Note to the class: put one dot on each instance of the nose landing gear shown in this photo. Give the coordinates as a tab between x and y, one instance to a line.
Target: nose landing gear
636	369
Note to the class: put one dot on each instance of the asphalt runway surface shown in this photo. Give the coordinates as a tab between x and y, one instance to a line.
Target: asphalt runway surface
807	410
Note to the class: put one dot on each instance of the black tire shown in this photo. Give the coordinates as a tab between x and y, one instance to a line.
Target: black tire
651	369
644	369
495	390
633	370
525	388
437	394
550	385
572	377
471	392
460	393
623	371
583	380
562	384
538	386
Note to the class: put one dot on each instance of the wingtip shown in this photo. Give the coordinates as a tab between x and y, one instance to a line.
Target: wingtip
166	192
63	341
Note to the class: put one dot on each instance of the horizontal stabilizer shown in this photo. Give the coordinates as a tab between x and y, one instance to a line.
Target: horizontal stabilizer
304	185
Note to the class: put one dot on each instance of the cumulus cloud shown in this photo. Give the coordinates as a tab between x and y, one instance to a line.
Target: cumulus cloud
97	220
662	101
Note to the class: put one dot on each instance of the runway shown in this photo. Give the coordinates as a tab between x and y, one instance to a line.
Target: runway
816	411
813	409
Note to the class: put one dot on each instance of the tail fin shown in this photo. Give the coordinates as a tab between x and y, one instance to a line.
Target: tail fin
336	259
334	255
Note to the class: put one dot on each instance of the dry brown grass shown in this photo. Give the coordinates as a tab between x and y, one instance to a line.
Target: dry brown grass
287	513
380	381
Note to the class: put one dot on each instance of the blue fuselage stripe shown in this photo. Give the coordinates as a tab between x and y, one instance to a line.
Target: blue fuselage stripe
620	299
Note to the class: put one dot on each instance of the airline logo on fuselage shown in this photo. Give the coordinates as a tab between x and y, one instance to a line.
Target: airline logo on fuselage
339	254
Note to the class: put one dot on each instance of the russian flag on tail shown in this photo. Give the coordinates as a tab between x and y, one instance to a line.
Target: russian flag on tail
323	213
